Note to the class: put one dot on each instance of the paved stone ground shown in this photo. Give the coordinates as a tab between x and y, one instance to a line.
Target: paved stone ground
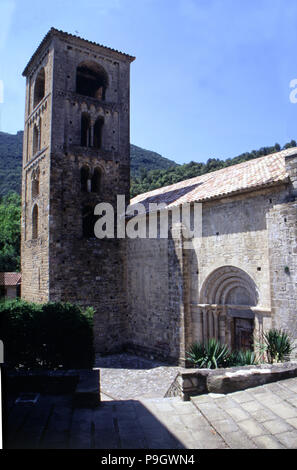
263	417
125	377
134	415
260	418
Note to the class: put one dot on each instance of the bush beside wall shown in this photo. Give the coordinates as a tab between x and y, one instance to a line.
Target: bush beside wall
48	336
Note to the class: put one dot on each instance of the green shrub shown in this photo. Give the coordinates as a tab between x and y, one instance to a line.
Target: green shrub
278	345
210	355
213	355
51	335
242	358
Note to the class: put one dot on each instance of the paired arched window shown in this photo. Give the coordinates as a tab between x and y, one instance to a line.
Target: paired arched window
90	183
39	87
91	134
91	80
35	222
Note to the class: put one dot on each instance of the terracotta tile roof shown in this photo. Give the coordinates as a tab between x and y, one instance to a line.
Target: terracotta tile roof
10	279
246	176
63	34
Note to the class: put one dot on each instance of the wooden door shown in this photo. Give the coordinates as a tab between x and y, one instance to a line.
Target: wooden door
243	329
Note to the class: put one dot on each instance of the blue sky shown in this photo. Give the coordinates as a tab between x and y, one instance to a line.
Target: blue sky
211	77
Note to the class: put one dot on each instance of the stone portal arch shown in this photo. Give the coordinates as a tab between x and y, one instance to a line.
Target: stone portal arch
227	296
229	283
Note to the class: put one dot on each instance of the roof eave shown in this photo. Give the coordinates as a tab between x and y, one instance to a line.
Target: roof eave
61	34
249	189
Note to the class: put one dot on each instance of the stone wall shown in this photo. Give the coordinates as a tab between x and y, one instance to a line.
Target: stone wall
34	252
62	263
155	290
283	267
166	281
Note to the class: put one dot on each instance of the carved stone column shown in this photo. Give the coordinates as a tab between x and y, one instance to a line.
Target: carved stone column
205	324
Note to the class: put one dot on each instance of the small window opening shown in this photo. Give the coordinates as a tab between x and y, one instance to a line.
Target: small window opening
35	186
35	222
88	222
84	177
36	139
96	181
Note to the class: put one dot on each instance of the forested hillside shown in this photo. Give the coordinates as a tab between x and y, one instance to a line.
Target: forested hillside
149	170
11	146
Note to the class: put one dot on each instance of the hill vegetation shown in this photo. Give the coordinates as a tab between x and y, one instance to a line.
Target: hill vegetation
11	148
149	170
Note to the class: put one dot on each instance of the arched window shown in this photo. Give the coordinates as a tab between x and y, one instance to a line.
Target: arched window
91	80
36	139
35	185
98	127
96	181
35	222
84	178
88	221
85	134
39	88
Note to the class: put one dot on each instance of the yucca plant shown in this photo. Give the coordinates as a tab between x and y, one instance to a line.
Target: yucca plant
242	358
210	355
278	345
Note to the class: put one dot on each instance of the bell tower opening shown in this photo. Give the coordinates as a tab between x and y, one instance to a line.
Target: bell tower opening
91	80
39	88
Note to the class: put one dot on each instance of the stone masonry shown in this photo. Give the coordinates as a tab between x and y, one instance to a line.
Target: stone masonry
153	296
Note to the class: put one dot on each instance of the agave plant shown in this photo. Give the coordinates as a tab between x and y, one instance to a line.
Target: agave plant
278	345
242	358
196	354
210	355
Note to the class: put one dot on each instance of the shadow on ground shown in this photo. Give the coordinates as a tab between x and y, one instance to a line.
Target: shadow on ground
53	423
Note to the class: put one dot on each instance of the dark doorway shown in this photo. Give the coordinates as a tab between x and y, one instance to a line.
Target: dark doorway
243	333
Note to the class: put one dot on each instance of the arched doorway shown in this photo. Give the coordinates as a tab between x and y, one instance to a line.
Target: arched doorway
232	292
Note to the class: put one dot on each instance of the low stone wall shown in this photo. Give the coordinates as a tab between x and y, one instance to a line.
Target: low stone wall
83	384
191	382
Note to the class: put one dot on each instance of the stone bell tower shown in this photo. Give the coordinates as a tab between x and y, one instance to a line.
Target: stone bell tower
76	154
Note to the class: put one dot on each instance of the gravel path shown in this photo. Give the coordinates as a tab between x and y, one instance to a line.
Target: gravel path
125	376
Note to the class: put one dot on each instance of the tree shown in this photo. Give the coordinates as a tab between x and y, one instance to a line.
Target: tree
10	232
